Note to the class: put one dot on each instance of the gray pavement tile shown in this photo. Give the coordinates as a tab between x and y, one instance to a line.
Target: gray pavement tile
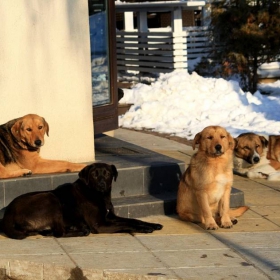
250	240
267	211
267	260
201	258
156	272
29	246
252	225
148	141
262	197
117	260
102	244
56	259
41	250
171	243
276	221
247	184
214	273
262	249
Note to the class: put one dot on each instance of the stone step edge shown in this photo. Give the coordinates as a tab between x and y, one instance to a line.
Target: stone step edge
160	204
18	269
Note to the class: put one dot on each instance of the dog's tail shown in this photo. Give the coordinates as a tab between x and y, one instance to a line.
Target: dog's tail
238	211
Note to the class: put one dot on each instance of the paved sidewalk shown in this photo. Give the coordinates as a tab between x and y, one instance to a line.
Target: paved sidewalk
250	250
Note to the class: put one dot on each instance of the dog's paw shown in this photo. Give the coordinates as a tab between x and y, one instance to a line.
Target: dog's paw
145	229
211	226
27	172
85	231
227	222
227	225
157	226
256	175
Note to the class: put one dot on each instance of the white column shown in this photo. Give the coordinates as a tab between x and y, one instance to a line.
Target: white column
179	41
176	19
128	21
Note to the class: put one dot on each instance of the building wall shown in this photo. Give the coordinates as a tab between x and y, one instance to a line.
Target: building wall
45	69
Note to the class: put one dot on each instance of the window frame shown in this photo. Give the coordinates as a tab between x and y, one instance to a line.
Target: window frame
105	117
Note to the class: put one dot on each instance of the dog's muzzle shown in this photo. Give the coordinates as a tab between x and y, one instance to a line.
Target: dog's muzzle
102	186
218	149
255	158
38	143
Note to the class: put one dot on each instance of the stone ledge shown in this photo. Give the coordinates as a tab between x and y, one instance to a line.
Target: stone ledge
24	270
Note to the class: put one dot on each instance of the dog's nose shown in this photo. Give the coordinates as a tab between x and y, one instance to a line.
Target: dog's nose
102	185
256	159
218	147
38	143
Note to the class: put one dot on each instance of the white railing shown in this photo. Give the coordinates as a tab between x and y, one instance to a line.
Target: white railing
161	51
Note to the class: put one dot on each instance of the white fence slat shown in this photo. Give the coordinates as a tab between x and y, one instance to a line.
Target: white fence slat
159	51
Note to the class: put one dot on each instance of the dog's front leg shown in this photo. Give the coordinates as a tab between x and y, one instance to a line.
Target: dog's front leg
224	205
202	199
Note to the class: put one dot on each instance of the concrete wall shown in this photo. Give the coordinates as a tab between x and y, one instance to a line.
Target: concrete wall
45	69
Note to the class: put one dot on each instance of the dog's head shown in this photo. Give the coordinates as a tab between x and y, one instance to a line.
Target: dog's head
250	147
214	141
29	131
99	176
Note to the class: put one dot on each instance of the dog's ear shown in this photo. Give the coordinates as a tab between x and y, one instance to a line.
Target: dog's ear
115	172
264	141
84	174
15	130
196	140
231	141
46	126
235	142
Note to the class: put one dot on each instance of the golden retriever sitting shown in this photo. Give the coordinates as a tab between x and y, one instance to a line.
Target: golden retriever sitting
205	187
20	143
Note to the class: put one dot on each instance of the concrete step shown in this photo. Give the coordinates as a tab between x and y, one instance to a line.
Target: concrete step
160	204
146	185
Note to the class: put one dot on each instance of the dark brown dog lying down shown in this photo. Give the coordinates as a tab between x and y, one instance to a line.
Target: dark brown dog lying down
73	209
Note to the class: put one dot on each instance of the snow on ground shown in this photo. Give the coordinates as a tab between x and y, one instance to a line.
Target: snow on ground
183	104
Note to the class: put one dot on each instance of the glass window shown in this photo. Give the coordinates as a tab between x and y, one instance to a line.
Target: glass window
99	52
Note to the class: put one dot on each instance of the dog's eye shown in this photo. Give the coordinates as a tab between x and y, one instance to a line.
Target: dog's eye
246	148
29	129
257	146
210	137
223	136
40	127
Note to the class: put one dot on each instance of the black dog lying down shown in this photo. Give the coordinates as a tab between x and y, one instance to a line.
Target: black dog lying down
73	209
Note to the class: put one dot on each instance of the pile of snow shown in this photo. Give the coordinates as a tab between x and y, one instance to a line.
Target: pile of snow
271	88
183	104
269	70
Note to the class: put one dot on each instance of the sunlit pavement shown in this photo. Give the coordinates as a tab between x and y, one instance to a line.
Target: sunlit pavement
249	250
